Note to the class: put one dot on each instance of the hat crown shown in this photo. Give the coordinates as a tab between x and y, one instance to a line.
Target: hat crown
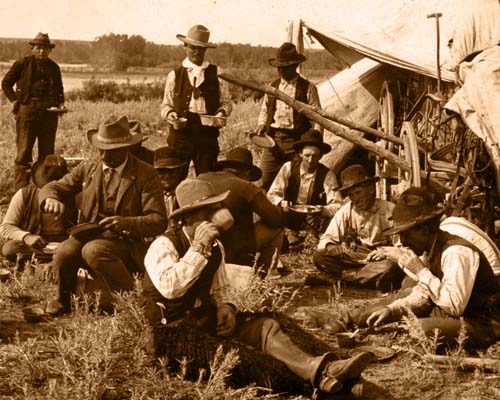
312	136
353	175
199	33
415	203
53	167
240	155
165	158
192	191
42	39
114	131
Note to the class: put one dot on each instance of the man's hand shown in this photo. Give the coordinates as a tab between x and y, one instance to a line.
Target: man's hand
205	234
53	206
379	317
410	261
172	115
116	224
222	122
261	130
34	241
389	252
375	255
226	320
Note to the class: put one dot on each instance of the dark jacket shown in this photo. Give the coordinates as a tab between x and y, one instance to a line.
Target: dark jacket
21	74
244	199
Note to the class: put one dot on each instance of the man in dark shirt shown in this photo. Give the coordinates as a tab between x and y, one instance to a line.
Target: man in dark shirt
38	88
247	237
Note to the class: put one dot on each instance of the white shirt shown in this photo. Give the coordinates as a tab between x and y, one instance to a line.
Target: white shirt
276	192
196	105
172	276
450	293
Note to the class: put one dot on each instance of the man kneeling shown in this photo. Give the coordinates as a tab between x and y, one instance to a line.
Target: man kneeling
188	294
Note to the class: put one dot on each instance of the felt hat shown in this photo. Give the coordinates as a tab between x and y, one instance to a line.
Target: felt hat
197	35
164	158
42	39
53	167
115	133
241	158
287	55
354	175
312	137
192	194
414	207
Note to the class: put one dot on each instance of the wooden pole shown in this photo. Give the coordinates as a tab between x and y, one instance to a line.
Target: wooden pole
488	364
326	122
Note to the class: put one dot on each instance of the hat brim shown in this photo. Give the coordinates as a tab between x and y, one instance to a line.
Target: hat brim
404	226
205	202
275	63
194	42
49	45
169	166
343	188
255	172
135	132
323	147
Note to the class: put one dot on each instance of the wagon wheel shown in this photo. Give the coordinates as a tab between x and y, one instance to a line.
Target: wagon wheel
385	123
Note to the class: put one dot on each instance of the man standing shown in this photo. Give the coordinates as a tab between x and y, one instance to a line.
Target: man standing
194	95
454	279
122	194
280	120
306	181
38	88
247	237
355	230
190	302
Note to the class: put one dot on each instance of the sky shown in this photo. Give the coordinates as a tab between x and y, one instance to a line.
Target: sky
258	22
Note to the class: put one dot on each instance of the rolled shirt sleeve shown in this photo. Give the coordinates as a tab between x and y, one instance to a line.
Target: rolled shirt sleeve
10	227
167	104
276	192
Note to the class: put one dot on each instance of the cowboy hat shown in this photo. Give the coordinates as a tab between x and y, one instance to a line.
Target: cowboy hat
414	207
51	168
241	158
287	55
354	175
197	35
42	39
312	137
164	158
115	133
192	194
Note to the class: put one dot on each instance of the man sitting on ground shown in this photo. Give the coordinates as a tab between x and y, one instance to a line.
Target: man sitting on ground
305	181
189	303
246	237
120	193
26	229
455	284
355	230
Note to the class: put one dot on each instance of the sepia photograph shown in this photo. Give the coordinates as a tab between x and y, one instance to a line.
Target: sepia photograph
267	199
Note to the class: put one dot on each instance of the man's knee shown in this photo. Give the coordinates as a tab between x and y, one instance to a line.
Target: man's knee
269	328
94	249
324	261
11	248
67	251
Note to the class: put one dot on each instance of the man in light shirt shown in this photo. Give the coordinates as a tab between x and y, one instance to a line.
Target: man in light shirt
305	181
356	230
193	91
190	299
454	279
280	120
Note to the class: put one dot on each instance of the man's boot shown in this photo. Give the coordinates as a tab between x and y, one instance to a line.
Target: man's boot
21	176
326	372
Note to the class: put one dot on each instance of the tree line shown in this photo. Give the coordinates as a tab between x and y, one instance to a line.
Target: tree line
119	52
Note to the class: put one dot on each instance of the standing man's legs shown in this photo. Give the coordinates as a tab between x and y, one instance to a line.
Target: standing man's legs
46	134
26	128
205	149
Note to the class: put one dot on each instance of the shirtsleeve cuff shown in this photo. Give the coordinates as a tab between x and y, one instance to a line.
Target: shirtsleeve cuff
192	257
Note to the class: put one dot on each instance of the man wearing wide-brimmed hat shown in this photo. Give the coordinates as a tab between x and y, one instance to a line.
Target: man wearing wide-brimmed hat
453	278
123	195
25	228
278	119
246	237
305	181
196	103
191	304
38	87
355	230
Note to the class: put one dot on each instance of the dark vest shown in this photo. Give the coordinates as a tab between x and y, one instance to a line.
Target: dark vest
176	308
484	291
317	196
300	122
209	90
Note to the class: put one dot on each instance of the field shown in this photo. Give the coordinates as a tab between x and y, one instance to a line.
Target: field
91	356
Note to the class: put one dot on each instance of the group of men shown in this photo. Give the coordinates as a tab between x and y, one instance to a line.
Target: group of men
181	234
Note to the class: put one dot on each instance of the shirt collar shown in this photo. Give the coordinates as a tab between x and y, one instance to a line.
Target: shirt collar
292	82
190	66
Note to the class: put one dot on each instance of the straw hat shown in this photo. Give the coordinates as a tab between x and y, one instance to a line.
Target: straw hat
312	137
192	194
241	158
197	35
114	134
42	39
287	55
414	207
